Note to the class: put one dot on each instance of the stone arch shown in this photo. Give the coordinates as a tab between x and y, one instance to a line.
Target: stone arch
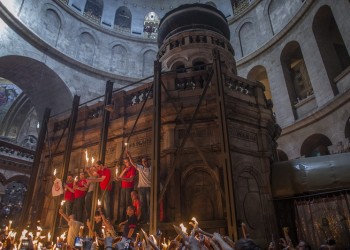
199	198
334	53
282	156
51	25
248	183
198	62
123	18
179	66
315	145
247	38
259	73
119	59
32	77
19	178
93	10
147	65
276	9
296	74
86	48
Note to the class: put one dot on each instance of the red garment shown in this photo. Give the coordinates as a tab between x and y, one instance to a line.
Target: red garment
80	184
68	195
103	184
129	173
137	204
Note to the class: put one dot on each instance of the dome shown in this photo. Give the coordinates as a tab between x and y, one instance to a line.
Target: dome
192	16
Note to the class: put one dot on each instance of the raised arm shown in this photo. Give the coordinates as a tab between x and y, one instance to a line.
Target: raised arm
63	214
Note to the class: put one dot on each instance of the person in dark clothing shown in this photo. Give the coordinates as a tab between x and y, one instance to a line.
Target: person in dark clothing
129	232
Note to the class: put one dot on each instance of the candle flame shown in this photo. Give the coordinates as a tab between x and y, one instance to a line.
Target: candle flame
31	234
39	228
153	239
125	144
92	160
62	203
98	202
195	221
49	236
63	236
54	172
86	156
10	222
183	228
76	178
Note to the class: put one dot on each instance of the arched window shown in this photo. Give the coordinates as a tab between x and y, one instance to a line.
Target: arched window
347	129
247	38
93	10
315	145
148	58
86	51
297	79
150	25
198	65
331	45
258	73
118	61
122	20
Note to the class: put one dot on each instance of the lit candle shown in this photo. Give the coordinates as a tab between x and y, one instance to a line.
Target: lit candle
244	230
54	172
86	157
48	237
126	145
183	228
195	221
10	223
81	231
99	202
116	171
6	230
76	178
62	203
92	160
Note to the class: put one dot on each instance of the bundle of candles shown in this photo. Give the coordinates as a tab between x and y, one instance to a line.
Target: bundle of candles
196	239
28	239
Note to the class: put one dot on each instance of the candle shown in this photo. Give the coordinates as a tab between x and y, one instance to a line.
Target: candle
195	221
92	160
244	230
10	223
81	231
126	145
116	171
86	157
62	203
54	172
99	202
6	230
183	228
76	178
48	236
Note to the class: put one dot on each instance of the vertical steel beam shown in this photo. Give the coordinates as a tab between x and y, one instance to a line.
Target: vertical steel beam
105	124
154	216
103	142
67	151
33	180
225	147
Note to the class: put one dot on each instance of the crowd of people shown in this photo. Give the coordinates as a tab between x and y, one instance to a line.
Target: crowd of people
78	192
